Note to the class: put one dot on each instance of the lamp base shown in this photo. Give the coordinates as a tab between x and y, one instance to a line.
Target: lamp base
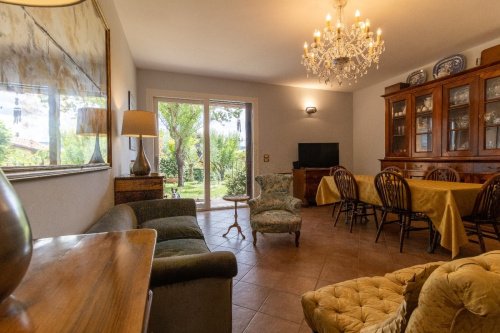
96	156
141	165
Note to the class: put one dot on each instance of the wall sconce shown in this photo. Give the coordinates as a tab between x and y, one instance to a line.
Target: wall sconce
311	109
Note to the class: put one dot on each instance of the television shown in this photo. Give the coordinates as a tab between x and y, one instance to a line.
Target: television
318	155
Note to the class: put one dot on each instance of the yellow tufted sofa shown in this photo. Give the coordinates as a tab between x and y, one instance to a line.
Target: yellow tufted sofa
458	296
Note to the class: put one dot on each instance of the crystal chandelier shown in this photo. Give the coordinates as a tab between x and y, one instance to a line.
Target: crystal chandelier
343	53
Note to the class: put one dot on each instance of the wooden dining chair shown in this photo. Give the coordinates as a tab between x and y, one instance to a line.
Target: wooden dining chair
486	211
443	174
340	204
395	169
349	193
395	195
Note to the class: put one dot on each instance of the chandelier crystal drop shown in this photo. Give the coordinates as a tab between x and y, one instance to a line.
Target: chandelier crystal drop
341	53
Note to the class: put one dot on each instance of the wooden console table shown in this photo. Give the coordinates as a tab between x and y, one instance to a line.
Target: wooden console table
84	283
306	182
136	188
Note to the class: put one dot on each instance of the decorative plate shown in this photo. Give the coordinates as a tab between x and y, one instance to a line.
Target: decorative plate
449	65
416	77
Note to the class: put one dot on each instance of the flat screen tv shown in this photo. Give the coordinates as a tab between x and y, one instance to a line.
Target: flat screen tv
318	155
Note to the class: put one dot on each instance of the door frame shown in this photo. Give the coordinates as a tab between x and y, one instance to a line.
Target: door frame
153	149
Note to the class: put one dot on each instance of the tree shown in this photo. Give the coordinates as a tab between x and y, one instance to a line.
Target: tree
182	121
4	142
222	152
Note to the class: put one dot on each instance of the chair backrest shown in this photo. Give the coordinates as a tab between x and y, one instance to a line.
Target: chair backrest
346	184
487	204
394	191
274	183
443	174
335	168
395	169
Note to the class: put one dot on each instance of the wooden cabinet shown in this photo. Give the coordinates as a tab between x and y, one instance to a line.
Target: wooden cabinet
452	121
306	182
136	188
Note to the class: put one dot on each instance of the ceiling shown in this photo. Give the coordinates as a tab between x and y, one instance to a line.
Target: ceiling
261	40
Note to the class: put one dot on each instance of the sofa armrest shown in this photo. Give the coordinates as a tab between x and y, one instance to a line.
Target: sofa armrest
118	218
175	269
153	209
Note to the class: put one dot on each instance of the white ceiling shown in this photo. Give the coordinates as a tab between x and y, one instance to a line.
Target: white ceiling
261	40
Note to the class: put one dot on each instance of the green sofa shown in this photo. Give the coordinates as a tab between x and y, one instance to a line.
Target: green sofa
192	287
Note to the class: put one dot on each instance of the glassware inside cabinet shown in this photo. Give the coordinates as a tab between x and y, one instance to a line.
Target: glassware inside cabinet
493	88
492	125
399	127
423	123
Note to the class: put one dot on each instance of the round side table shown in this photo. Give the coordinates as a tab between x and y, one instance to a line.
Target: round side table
235	199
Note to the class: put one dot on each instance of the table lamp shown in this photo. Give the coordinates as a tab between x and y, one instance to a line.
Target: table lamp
92	121
140	124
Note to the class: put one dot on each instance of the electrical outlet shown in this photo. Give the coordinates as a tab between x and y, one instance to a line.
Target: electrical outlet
266	158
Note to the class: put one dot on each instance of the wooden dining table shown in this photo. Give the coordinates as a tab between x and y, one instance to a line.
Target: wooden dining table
443	202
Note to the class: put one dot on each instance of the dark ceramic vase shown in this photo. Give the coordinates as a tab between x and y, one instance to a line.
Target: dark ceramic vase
15	239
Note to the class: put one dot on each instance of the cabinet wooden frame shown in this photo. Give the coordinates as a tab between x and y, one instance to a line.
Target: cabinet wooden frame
479	160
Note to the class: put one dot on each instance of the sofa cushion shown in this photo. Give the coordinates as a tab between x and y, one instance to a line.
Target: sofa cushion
176	227
353	305
179	247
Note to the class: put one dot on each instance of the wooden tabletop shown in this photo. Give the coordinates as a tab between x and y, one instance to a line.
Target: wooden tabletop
83	283
236	198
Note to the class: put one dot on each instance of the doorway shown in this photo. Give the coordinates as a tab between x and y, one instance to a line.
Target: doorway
204	149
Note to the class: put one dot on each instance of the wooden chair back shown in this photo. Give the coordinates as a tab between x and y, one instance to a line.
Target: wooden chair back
395	169
346	184
443	174
394	192
335	168
487	204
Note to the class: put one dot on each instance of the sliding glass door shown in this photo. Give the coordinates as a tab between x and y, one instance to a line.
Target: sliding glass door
204	149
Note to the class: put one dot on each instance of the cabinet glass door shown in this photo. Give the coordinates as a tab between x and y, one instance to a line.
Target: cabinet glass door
492	115
399	142
459	118
423	123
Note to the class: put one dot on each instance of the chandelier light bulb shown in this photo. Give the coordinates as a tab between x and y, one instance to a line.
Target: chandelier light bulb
343	53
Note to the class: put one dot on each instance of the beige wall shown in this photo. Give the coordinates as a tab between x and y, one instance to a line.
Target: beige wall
69	204
369	115
281	120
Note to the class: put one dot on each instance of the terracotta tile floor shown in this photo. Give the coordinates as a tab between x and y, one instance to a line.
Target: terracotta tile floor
272	276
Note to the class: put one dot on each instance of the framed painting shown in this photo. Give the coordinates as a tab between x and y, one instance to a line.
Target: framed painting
54	89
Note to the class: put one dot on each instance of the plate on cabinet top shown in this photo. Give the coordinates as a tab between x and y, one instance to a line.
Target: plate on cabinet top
416	77
449	65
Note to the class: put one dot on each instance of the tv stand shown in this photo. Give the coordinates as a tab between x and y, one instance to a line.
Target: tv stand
305	183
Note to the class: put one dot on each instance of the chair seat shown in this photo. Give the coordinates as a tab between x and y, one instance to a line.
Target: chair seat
276	221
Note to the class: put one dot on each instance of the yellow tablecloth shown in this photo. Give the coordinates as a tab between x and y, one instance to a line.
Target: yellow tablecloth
443	202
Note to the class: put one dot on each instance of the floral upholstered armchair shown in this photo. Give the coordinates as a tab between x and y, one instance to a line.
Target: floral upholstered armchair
275	210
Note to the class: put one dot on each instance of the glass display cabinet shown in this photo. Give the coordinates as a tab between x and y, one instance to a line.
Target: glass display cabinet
459	118
426	111
398	136
489	117
452	121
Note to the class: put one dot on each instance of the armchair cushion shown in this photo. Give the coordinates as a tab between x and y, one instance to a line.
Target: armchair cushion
176	227
272	221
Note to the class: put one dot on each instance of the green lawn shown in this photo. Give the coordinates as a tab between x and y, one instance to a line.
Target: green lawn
195	190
